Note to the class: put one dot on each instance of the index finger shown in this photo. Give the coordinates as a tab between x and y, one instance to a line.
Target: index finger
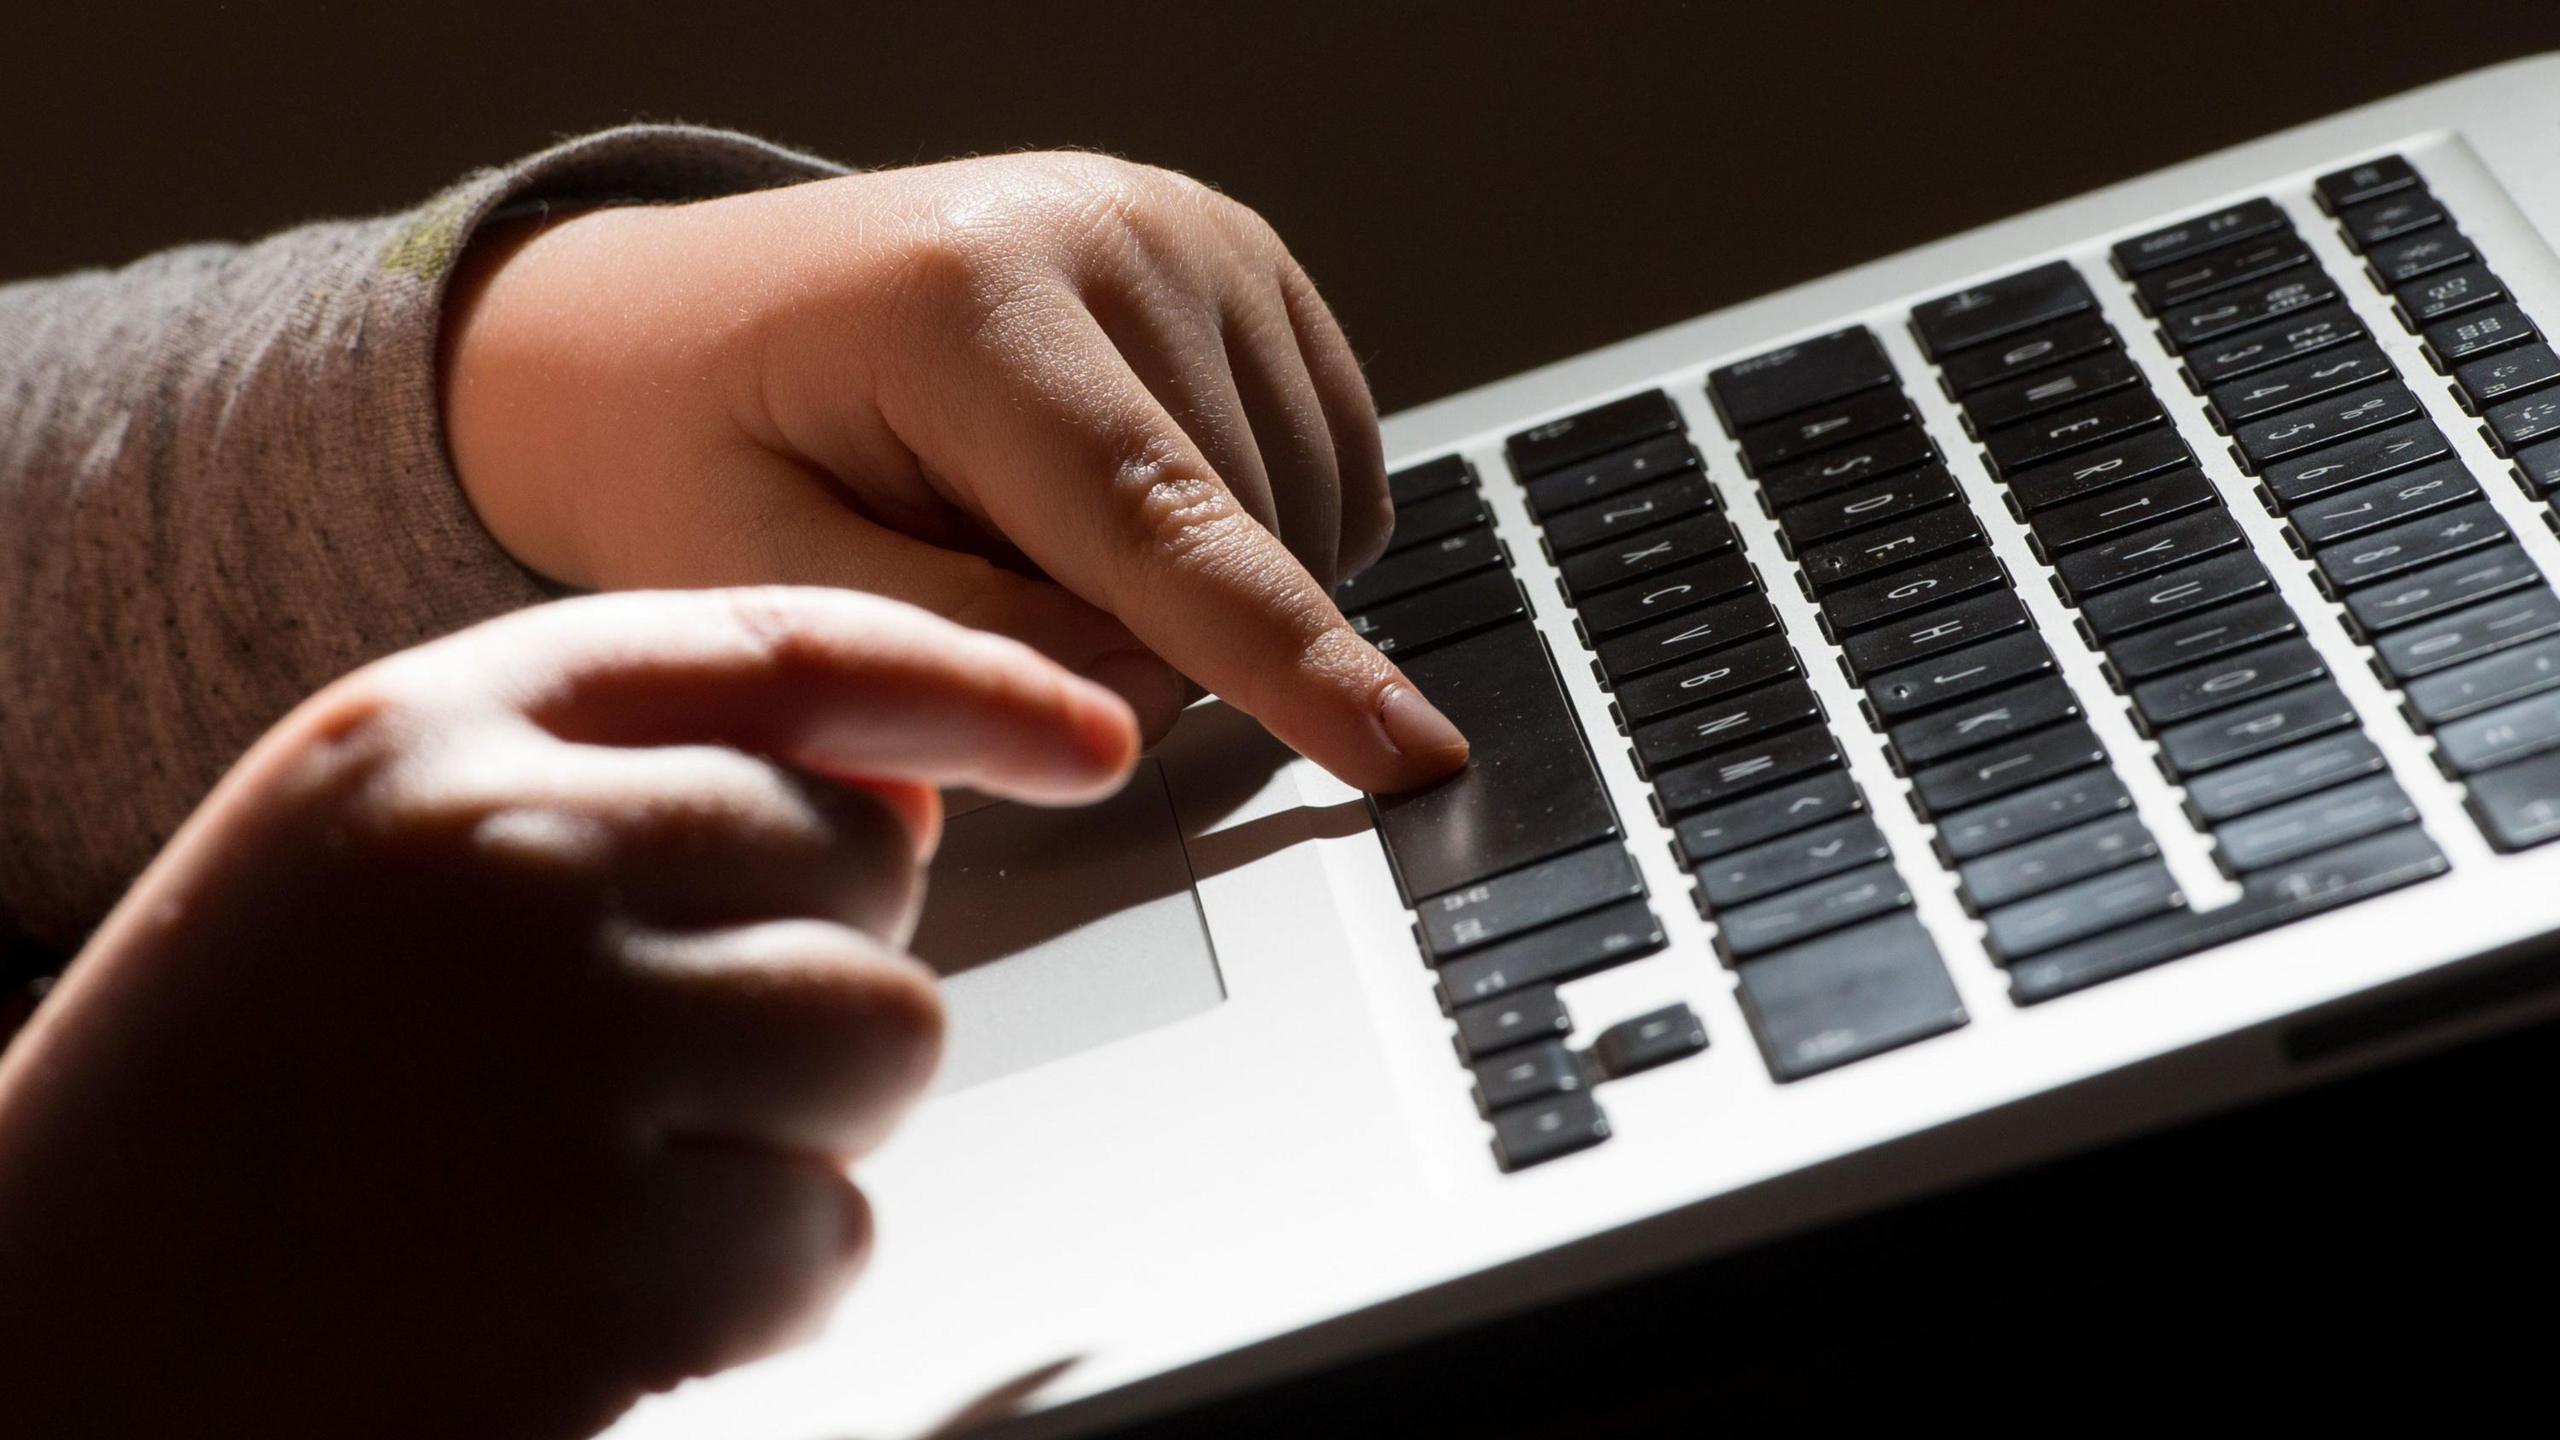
1077	464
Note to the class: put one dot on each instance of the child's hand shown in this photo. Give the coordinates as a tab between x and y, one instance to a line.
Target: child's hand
1084	370
487	1049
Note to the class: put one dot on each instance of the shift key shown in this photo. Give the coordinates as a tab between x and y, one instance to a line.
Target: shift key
1529	789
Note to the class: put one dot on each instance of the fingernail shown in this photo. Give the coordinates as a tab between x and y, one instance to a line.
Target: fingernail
1155	691
1417	729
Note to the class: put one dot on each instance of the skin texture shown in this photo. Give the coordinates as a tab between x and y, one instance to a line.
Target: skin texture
488	1049
1091	405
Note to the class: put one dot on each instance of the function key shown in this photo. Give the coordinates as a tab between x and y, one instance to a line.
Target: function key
2000	307
2509	372
2491	327
2170	244
2397	262
1609	474
2375	221
2357	184
1851	994
1798	377
2520	421
1823	427
1431	477
2051	345
1655	1038
2431	298
1596	431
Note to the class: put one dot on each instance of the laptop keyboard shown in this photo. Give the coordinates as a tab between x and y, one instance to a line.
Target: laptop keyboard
1518	868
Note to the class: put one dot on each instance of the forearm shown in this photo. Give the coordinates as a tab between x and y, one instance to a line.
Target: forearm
223	482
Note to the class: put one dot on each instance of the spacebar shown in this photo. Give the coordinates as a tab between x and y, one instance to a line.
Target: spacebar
1529	790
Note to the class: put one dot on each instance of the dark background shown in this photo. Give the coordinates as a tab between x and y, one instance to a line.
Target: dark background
1480	188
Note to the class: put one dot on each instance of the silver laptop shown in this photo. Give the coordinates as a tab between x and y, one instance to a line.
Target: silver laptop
2084	673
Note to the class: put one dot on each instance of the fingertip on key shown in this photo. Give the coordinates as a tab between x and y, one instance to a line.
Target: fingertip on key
1425	741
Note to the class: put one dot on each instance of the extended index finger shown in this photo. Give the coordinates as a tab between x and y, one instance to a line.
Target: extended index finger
1074	460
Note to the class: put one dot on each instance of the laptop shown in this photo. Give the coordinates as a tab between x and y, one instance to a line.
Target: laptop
2089	672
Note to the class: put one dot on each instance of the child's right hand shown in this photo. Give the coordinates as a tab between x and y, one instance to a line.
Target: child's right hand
488	1048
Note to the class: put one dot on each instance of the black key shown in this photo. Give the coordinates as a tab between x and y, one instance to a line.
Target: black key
2467	634
1595	941
2189	238
1871	504
2538	469
1517	1077
1596	431
2051	345
1517	1019
1432	477
2356	184
2272	779
2333	518
2032	395
1437	518
1435	617
2061	432
2395	549
2173	594
1506	905
1706	679
2522	420
2242	675
1947	577
1604	520
1645	552
1419	569
2298	382
2300	827
1851	994
1657	1037
2270	898
2250	305
2509	372
1798	377
1945	679
1713	781
2477	332
2215	271
2081	909
2112	512
1870	459
2269	722
2001	307
1724	725
1823	428
1984	720
2006	768
2058	859
2147	551
2438	588
2265	441
2375	221
2431	298
1932	632
1799	915
1827	795
2296	334
2365	458
2397	262
2499	736
1528	791
2517	807
2204	635
2146	453
1799	859
1711	627
1665	593
1884	547
1620	470
1535	1134
2495	679
2037	810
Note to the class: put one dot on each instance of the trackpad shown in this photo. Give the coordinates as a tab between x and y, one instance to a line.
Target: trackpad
1058	930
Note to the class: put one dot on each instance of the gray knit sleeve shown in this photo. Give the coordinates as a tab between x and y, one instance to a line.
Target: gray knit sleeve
223	483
